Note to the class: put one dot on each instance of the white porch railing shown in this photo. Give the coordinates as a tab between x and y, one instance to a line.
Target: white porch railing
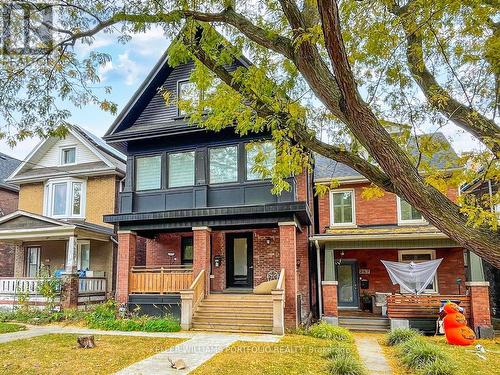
12	285
92	285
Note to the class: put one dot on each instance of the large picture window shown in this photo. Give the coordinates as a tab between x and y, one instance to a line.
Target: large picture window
342	207
181	169
148	172
65	198
223	164
264	150
407	214
417	256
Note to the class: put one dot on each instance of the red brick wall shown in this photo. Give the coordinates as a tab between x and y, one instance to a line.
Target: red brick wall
127	243
330	305
451	267
157	249
375	211
301	185
8	201
480	306
7	256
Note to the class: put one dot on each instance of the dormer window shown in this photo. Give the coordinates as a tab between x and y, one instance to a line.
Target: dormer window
407	214
68	155
65	198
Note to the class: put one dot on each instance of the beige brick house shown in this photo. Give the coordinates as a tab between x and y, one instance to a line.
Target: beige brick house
66	185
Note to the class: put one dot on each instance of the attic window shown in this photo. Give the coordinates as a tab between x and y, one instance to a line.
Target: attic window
68	155
187	92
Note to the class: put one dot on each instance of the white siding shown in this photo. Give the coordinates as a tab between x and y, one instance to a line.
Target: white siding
51	158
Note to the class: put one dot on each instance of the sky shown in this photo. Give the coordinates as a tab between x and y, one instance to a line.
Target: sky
129	66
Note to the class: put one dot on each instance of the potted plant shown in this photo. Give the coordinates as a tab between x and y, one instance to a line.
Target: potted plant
366	302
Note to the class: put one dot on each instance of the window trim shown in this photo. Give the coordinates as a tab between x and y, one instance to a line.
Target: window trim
209	163
161	172
353	200
79	252
432	252
407	222
167	168
61	155
48	198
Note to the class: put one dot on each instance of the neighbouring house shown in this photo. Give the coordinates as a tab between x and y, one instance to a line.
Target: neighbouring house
212	227
354	234
484	190
9	195
66	185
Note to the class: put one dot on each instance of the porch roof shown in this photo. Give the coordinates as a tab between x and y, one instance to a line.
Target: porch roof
23	226
387	236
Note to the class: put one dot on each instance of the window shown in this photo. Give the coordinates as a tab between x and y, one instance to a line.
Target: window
148	172
181	169
342	207
68	155
418	256
187	250
33	261
223	164
188	92
65	198
263	154
84	255
407	214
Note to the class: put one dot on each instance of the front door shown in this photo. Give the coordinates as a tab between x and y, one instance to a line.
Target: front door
348	295
239	256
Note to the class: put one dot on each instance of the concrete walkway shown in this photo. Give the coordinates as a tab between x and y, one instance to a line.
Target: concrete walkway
199	347
372	355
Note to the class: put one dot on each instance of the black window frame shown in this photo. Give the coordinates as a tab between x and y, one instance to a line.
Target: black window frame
189	240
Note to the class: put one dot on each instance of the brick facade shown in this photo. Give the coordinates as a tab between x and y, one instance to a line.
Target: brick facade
127	243
288	261
330	304
101	198
31	198
8	201
480	304
201	253
7	258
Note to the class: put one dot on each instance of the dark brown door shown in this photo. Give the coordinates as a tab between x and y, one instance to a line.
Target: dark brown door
239	260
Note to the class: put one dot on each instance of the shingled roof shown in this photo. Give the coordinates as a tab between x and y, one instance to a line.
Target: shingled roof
7	165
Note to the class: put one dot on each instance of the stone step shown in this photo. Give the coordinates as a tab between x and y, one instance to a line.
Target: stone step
236	309
357	321
234	296
366	328
231	314
232	320
233	327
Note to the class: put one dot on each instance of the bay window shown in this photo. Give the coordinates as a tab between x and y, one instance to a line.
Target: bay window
342	207
181	169
223	164
65	198
148	172
262	154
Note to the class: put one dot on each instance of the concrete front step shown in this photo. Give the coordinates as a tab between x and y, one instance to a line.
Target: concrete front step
365	324
347	321
233	327
232	319
229	315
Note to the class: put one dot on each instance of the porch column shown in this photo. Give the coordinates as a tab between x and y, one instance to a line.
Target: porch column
329	287
480	308
69	287
201	254
19	259
288	261
127	244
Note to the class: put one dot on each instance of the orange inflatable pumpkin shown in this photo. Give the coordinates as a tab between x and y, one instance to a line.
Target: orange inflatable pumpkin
455	326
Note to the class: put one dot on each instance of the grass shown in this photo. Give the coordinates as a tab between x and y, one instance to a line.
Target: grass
294	354
467	362
11	327
59	354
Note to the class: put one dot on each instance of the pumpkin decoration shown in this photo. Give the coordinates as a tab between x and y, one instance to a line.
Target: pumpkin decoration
455	326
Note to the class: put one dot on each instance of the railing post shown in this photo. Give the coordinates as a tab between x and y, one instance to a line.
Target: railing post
278	312
162	286
187	297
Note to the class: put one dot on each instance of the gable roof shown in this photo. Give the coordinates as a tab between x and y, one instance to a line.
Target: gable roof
7	165
106	161
328	169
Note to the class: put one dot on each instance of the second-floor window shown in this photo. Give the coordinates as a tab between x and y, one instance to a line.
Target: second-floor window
181	169
264	149
148	172
68	155
407	214
65	198
342	207
223	164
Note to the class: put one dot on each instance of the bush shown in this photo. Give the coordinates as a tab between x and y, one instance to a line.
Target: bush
338	350
346	365
439	367
324	330
400	335
417	353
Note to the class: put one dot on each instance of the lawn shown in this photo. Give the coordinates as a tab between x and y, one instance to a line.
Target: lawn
294	354
10	327
59	354
467	361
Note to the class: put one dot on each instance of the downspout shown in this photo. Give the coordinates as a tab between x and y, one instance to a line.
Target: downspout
320	292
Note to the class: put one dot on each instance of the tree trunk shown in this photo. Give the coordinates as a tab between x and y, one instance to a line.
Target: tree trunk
86	342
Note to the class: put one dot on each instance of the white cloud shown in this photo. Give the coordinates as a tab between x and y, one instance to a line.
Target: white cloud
21	150
151	43
128	68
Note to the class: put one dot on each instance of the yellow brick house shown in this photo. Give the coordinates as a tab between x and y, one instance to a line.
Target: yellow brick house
66	185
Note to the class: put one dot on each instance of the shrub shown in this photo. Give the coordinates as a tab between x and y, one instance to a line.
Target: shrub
346	365
324	330
439	367
338	350
417	353
400	335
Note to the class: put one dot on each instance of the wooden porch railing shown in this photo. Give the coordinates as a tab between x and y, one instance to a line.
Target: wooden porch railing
404	306
278	295
159	280
190	298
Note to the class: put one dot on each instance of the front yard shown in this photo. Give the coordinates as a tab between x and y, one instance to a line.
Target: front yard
10	327
59	354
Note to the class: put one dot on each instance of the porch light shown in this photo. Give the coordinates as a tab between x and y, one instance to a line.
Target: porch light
458	281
